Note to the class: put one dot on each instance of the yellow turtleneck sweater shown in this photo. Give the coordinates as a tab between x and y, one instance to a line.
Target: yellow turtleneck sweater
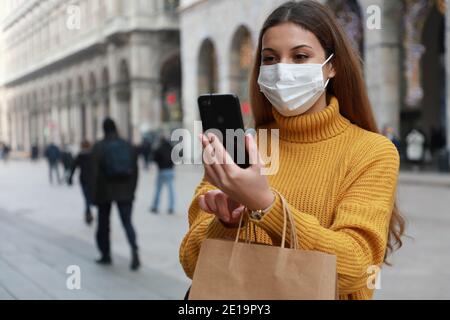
340	182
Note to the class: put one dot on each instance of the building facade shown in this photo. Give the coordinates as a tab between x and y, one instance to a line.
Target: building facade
66	64
402	43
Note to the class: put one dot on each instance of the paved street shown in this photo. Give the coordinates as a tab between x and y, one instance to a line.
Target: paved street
420	268
42	232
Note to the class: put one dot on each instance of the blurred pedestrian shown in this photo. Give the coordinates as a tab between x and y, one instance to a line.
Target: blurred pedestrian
146	152
163	159
83	161
415	148
437	139
53	155
5	149
115	174
438	143
2	147
67	161
34	152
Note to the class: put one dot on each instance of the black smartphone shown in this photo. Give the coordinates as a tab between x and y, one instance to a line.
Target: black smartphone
221	113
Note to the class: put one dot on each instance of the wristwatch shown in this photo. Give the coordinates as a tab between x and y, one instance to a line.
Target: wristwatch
259	214
256	214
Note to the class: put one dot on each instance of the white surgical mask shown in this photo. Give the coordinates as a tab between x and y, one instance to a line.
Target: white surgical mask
292	88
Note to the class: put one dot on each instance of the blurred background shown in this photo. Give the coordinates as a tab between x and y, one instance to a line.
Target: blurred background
65	65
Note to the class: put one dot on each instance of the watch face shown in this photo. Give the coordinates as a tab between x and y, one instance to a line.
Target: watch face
256	215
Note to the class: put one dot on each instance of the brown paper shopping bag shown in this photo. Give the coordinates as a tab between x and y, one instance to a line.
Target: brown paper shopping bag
233	270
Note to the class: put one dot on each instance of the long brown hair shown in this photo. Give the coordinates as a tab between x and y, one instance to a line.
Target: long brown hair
319	20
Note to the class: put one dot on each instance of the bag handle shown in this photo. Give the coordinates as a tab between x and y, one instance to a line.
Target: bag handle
247	238
287	216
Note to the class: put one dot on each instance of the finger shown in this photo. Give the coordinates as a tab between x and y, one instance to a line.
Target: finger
208	161
219	151
236	214
210	199
207	152
225	164
217	146
222	207
252	149
203	205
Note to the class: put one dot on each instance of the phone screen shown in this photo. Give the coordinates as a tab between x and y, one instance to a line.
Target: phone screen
221	115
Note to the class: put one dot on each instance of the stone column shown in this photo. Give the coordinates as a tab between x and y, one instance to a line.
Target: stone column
34	127
447	70
145	106
223	67
102	111
67	121
101	115
40	128
31	126
83	125
60	122
189	86
14	142
89	116
123	120
145	60
113	69
26	130
63	125
382	61
190	64
77	130
93	119
20	129
54	124
45	131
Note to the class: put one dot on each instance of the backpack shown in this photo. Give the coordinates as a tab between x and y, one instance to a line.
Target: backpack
118	162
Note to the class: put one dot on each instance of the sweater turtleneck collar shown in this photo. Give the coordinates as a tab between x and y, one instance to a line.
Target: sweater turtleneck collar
312	127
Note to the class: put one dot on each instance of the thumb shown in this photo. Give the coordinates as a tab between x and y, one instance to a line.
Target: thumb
237	212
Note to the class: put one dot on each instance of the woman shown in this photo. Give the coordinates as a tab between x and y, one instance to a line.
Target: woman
84	162
337	173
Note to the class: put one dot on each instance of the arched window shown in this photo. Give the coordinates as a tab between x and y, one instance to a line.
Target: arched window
207	68
241	61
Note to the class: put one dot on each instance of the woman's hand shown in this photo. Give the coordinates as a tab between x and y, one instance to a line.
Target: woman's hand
220	204
245	186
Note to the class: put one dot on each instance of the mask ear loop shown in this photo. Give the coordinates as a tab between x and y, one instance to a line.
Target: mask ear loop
328	60
323	64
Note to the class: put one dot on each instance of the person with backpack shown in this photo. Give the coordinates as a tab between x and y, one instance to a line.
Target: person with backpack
114	174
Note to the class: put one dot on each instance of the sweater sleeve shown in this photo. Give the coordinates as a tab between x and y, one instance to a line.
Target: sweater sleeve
359	232
202	225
